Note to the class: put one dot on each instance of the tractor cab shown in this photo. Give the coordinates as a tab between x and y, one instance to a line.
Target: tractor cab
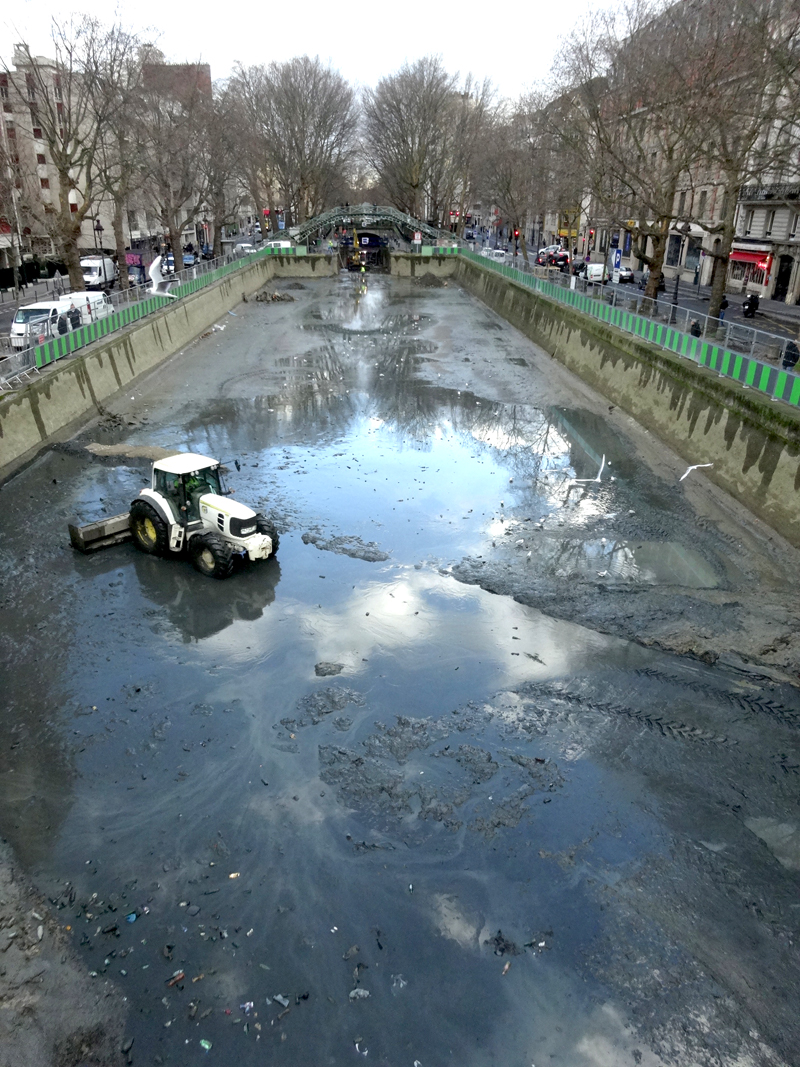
183	479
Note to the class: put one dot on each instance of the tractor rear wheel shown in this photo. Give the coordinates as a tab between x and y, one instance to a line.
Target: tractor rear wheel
149	529
211	555
267	526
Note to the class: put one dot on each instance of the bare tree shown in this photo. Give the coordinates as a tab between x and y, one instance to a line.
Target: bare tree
64	113
249	92
746	76
309	120
220	163
175	106
120	154
634	111
405	131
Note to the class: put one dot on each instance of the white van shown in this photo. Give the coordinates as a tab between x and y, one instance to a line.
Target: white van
99	272
594	272
278	244
40	320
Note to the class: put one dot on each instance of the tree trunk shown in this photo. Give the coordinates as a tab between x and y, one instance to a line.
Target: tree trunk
273	214
722	254
119	241
175	241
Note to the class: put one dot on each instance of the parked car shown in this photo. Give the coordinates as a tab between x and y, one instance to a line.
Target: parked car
244	248
626	275
188	259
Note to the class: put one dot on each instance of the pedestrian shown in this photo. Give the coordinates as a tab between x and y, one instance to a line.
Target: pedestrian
694	329
723	307
791	354
74	317
63	324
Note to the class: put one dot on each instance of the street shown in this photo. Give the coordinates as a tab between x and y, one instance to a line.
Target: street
496	763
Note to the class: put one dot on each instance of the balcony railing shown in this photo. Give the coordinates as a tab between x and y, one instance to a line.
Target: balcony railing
770	192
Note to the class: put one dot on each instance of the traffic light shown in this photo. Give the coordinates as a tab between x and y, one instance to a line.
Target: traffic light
591	233
516	234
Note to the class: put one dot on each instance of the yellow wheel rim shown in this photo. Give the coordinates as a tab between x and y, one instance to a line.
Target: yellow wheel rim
207	557
147	530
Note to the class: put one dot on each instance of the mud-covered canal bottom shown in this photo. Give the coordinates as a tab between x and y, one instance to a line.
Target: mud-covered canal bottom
343	805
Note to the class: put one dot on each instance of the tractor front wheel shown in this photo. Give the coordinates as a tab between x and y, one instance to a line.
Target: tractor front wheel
267	526
149	529
211	556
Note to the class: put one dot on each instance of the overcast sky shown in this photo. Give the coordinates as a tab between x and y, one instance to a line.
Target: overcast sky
513	43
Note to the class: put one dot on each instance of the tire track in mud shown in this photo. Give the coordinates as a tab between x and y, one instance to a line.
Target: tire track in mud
741	701
658	723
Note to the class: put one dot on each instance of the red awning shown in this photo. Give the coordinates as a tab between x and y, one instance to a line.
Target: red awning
750	257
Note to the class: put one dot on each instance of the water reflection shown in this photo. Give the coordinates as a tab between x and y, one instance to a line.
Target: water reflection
198	608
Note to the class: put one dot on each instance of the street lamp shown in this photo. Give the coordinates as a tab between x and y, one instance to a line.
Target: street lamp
98	234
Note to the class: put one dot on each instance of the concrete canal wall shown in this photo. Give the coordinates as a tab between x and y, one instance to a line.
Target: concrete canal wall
754	444
71	390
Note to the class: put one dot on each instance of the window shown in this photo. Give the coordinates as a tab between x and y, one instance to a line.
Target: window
3	86
748	221
673	250
73	208
37	133
701	209
57	86
45	183
724	209
30	85
11	130
769	224
8	108
682	205
60	110
793	226
40	158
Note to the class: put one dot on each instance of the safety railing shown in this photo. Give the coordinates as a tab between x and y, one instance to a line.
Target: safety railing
129	306
750	357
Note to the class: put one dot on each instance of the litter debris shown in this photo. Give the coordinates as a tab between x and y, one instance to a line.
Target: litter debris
205	1043
279	998
502	946
234	875
359	994
131	918
352	951
177	977
398	983
507	967
246	1007
696	467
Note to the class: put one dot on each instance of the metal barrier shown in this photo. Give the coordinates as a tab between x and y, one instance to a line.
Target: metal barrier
130	305
748	356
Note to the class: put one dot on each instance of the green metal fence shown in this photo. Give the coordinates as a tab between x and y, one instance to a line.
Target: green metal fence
57	347
749	372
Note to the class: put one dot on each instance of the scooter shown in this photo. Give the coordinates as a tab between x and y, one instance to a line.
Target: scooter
750	306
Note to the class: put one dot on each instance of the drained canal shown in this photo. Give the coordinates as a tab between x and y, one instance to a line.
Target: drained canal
368	800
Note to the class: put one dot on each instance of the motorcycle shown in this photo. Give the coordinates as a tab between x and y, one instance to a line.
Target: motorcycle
750	306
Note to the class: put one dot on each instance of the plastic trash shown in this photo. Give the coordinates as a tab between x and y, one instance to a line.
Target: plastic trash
282	1000
131	918
359	994
205	1043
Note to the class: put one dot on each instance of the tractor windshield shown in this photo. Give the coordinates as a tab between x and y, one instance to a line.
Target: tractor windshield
197	484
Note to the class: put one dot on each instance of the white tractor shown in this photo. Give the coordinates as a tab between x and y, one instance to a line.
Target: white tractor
188	509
